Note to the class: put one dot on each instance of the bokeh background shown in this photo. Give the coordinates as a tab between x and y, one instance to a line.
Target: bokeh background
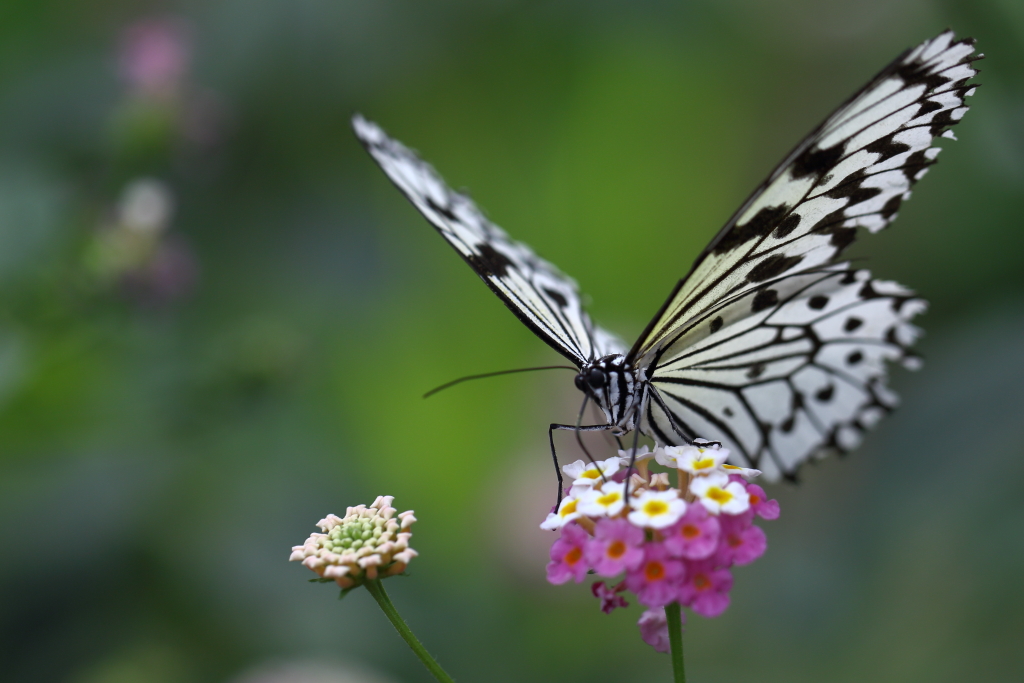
217	319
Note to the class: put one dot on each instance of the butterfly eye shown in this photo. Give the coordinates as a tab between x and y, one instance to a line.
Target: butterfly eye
597	378
580	384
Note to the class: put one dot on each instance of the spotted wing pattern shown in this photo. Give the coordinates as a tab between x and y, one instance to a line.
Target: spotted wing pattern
853	171
792	370
547	301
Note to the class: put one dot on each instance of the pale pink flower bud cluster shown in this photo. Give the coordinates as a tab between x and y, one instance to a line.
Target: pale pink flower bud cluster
673	544
366	544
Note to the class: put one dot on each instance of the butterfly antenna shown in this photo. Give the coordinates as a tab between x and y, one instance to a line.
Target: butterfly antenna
495	374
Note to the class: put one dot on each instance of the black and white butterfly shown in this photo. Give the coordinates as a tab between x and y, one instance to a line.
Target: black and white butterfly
767	345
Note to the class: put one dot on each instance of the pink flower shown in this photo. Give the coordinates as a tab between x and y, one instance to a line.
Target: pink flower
706	589
567	555
741	541
759	503
610	598
654	628
654	580
615	547
695	536
155	55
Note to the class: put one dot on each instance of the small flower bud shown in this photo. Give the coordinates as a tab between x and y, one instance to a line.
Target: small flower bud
659	481
369	542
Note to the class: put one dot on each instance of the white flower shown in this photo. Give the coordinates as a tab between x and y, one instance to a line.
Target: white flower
696	459
566	513
666	455
586	475
609	501
747	473
656	509
642	453
717	494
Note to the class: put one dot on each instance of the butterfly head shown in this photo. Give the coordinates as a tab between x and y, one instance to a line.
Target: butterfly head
612	384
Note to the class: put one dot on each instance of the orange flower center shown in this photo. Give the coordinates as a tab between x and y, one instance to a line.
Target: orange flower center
616	549
735	541
690	531
574	555
701	582
654	571
755	499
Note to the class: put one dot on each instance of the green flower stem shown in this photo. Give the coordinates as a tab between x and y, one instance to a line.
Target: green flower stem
675	639
376	589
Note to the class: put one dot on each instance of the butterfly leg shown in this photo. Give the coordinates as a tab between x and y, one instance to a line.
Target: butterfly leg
554	457
632	462
686	434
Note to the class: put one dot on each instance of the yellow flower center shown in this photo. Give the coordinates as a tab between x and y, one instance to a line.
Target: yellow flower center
653	508
568	509
591	474
654	571
703	464
720	496
609	498
616	549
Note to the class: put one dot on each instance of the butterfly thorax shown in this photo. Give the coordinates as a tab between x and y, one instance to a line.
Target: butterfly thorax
614	385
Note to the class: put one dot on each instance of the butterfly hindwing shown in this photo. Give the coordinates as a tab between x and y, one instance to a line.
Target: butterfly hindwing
547	301
800	377
853	171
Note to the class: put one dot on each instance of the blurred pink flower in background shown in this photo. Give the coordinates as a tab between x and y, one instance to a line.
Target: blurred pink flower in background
155	56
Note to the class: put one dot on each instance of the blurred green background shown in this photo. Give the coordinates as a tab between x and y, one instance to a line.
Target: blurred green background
217	318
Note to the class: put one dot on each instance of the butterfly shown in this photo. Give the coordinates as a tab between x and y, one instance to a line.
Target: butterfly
768	346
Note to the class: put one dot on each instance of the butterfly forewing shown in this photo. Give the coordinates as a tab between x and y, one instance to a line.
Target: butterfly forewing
547	301
853	171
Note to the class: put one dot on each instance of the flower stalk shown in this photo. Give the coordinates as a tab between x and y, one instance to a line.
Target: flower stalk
376	589
675	638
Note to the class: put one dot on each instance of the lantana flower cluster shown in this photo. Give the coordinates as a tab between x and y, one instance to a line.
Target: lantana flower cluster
366	544
671	543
